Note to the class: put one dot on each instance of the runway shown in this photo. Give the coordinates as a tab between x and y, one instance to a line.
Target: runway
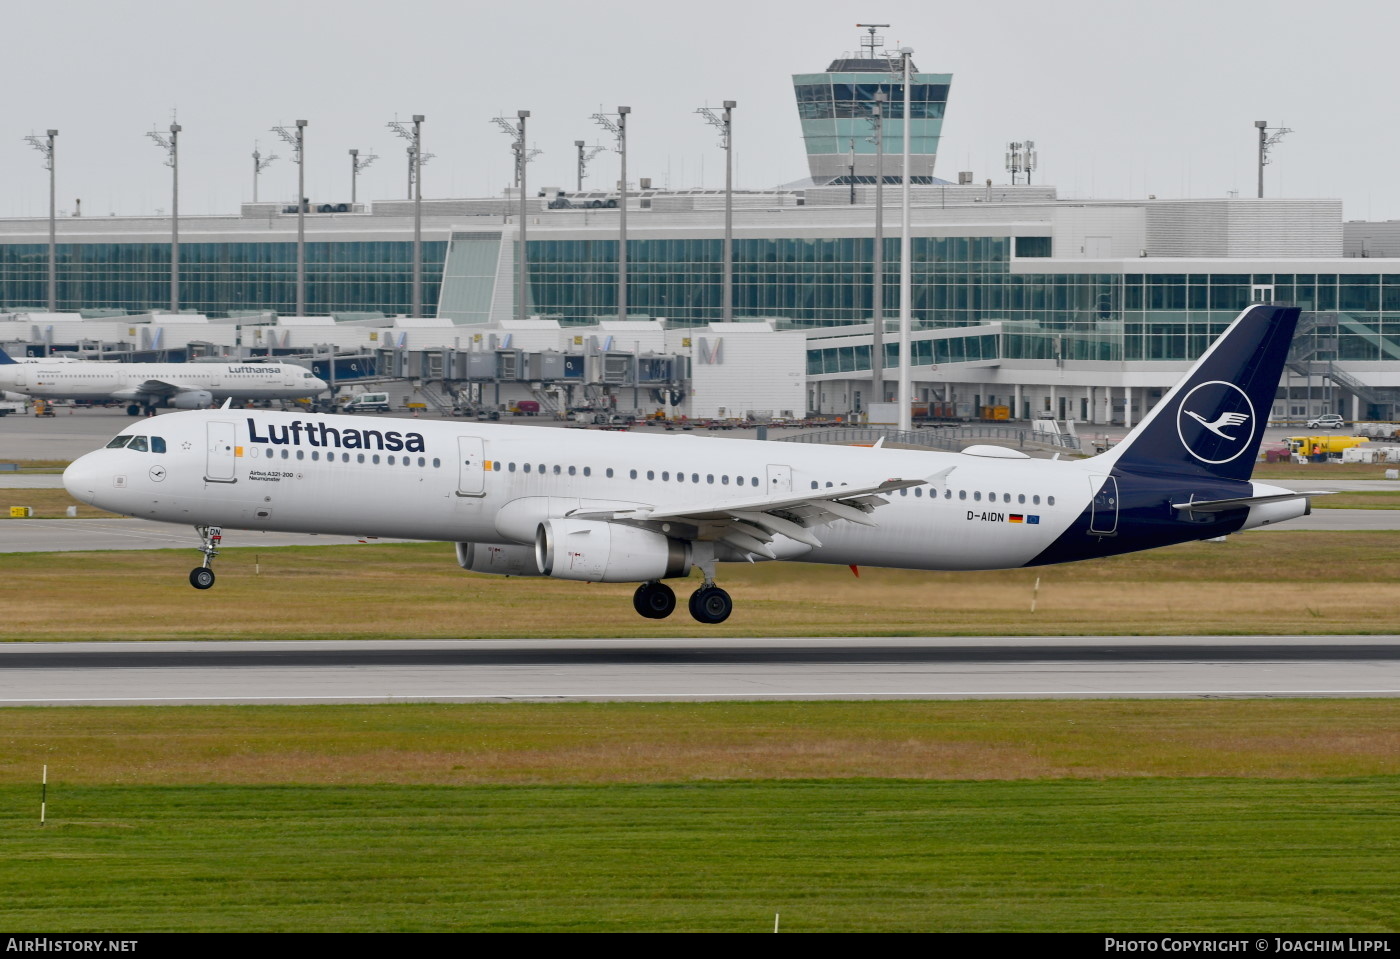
698	670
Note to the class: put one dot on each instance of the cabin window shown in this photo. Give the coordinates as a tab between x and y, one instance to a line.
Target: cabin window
315	454
651	474
753	480
495	465
632	474
359	457
1036	499
947	494
977	496
724	481
918	491
710	478
437	463
422	461
1050	501
814	484
962	494
541	467
373	459
301	454
1021	498
903	492
610	472
510	467
556	469
345	457
527	467
392	461
587	471
157	444
572	470
665	475
680	477
695	477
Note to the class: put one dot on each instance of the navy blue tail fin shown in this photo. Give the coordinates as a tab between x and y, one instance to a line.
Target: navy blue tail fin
1211	422
5	359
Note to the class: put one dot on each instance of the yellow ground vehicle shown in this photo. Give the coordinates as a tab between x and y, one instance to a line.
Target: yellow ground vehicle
43	408
1328	445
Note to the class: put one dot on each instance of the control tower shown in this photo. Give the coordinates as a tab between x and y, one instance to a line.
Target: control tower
835	108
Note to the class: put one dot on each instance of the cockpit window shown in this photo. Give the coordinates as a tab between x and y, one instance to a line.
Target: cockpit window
308	376
118	442
138	443
157	444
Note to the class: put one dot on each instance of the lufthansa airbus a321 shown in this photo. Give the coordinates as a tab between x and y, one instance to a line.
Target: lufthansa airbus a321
620	507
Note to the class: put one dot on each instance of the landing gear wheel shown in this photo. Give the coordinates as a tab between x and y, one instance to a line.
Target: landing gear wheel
201	577
654	600
710	604
133	410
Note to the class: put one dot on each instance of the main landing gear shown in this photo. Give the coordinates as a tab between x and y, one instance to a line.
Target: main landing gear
708	604
202	576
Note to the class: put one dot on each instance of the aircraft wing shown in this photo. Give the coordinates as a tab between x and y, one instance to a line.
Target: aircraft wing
752	525
162	387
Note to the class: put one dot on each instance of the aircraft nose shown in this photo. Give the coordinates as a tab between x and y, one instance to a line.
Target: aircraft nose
80	478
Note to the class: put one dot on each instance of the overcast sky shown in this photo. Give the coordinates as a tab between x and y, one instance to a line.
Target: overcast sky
1123	99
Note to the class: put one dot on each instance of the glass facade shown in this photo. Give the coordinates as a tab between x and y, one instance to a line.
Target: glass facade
219	278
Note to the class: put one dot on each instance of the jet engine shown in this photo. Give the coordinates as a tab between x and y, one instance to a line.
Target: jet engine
498	559
192	400
600	552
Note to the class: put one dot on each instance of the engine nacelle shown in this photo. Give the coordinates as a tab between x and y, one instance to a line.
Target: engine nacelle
499	559
192	400
599	552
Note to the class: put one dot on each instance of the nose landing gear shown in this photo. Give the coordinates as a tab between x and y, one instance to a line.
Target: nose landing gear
202	576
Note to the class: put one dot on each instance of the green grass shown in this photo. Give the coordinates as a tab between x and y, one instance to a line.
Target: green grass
1265	582
843	816
1211	855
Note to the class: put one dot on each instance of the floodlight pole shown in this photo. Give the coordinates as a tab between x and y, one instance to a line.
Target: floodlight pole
905	249
46	147
622	113
578	144
259	164
172	148
1263	127
416	309
725	124
521	161
298	143
877	291
301	218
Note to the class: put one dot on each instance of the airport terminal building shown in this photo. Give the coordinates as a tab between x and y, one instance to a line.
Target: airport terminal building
1085	309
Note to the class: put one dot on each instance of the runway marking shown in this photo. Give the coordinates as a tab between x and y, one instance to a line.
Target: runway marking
1022	694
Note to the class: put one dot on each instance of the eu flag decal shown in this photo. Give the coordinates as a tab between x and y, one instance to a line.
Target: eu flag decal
1033	520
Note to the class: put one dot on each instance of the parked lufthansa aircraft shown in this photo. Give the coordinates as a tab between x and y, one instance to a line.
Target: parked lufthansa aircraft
144	386
619	507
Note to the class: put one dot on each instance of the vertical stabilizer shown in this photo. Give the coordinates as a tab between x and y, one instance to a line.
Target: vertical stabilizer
1211	423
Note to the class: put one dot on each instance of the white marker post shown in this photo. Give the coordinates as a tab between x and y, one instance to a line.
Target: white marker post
44	796
775	921
1035	593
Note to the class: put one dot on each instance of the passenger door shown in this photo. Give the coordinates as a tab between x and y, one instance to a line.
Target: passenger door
1103	516
779	479
471	466
222	455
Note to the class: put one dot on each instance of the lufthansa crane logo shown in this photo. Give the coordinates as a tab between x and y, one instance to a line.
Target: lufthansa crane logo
1215	421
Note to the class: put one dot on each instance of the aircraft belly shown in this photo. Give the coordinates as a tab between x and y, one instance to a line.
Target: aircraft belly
939	537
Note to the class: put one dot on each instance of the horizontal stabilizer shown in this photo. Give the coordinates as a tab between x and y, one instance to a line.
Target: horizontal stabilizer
1244	502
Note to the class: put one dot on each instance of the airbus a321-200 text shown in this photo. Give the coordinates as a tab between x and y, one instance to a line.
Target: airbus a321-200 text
637	508
145	386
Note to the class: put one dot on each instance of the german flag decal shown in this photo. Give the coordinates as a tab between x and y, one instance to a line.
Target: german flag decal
1015	518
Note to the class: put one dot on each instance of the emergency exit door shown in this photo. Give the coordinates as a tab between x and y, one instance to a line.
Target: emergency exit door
471	466
222	453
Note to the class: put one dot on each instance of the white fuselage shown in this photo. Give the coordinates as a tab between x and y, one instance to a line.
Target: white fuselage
494	484
152	382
